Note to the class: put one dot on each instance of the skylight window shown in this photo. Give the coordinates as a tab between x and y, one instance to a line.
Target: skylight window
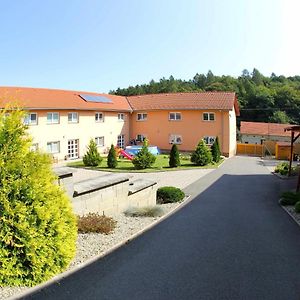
95	98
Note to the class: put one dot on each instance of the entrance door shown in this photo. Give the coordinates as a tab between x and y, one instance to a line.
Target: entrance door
121	141
72	149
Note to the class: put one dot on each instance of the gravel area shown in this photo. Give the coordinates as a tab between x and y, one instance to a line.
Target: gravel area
92	244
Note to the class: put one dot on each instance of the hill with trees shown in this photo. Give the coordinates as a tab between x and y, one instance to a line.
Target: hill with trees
262	99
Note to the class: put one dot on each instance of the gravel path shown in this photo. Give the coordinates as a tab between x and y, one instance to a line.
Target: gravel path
89	245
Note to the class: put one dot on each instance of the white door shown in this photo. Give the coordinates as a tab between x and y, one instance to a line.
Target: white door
121	141
72	149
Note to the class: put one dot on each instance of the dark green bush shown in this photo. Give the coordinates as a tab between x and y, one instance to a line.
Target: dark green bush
95	223
112	160
92	157
202	155
169	194
144	159
37	226
215	151
289	198
297	207
174	160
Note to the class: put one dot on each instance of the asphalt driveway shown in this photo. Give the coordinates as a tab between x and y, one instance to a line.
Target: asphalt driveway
233	241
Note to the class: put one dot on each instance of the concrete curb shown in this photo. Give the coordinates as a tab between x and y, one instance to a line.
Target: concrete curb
291	215
76	268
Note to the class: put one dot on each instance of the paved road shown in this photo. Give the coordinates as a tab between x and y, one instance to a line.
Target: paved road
232	241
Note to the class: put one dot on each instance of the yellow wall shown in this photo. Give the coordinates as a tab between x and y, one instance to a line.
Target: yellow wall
84	130
157	128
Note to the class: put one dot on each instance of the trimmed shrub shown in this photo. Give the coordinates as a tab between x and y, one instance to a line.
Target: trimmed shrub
174	160
202	155
148	211
95	223
112	160
169	194
215	151
144	159
37	226
289	198
297	207
92	157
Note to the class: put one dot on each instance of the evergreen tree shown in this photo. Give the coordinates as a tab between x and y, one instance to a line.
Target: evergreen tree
92	156
202	155
174	160
112	160
144	159
37	226
215	151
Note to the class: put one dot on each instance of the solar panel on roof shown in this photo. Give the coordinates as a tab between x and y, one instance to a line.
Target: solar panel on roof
95	98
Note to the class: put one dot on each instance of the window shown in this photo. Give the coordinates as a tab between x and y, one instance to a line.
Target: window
53	147
34	147
140	137
73	117
121	141
99	117
175	139
99	141
174	116
208	116
209	140
53	118
121	117
142	117
30	119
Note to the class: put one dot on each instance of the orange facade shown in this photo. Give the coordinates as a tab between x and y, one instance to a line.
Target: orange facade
189	129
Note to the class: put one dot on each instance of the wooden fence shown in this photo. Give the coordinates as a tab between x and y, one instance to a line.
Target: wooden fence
250	149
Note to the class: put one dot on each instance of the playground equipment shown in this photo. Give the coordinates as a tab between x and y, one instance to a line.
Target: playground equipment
125	154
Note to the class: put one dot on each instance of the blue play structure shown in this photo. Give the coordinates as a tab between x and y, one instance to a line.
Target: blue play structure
133	150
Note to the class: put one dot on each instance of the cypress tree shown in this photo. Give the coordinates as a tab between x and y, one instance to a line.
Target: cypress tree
37	226
92	156
112	161
215	151
144	159
202	155
174	160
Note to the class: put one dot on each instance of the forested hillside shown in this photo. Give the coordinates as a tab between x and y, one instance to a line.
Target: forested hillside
263	99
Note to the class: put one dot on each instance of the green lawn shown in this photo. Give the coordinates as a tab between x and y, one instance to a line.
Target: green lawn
161	164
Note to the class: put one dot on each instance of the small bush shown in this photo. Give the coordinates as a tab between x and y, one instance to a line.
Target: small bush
169	194
144	159
174	160
282	168
92	157
112	160
289	198
148	211
93	222
297	207
202	155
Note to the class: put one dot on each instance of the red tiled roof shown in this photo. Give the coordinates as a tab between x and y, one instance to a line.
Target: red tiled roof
38	98
258	128
185	101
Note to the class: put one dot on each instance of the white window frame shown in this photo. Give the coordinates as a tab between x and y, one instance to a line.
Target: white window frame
98	139
211	117
97	117
175	139
177	116
53	121
141	117
121	141
142	137
209	140
28	120
73	119
53	151
121	117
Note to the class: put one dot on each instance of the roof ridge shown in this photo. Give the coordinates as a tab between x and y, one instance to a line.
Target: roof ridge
181	93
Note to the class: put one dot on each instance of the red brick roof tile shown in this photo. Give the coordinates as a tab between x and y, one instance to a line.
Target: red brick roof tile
258	128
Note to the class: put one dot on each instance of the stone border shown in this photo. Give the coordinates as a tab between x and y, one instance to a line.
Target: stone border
76	268
290	214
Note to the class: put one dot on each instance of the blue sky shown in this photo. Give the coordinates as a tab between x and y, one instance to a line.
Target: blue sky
96	45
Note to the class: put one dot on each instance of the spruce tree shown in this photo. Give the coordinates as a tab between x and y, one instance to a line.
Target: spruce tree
92	157
37	226
202	155
112	160
174	160
215	150
144	159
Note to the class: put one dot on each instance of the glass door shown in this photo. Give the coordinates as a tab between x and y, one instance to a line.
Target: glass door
73	149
